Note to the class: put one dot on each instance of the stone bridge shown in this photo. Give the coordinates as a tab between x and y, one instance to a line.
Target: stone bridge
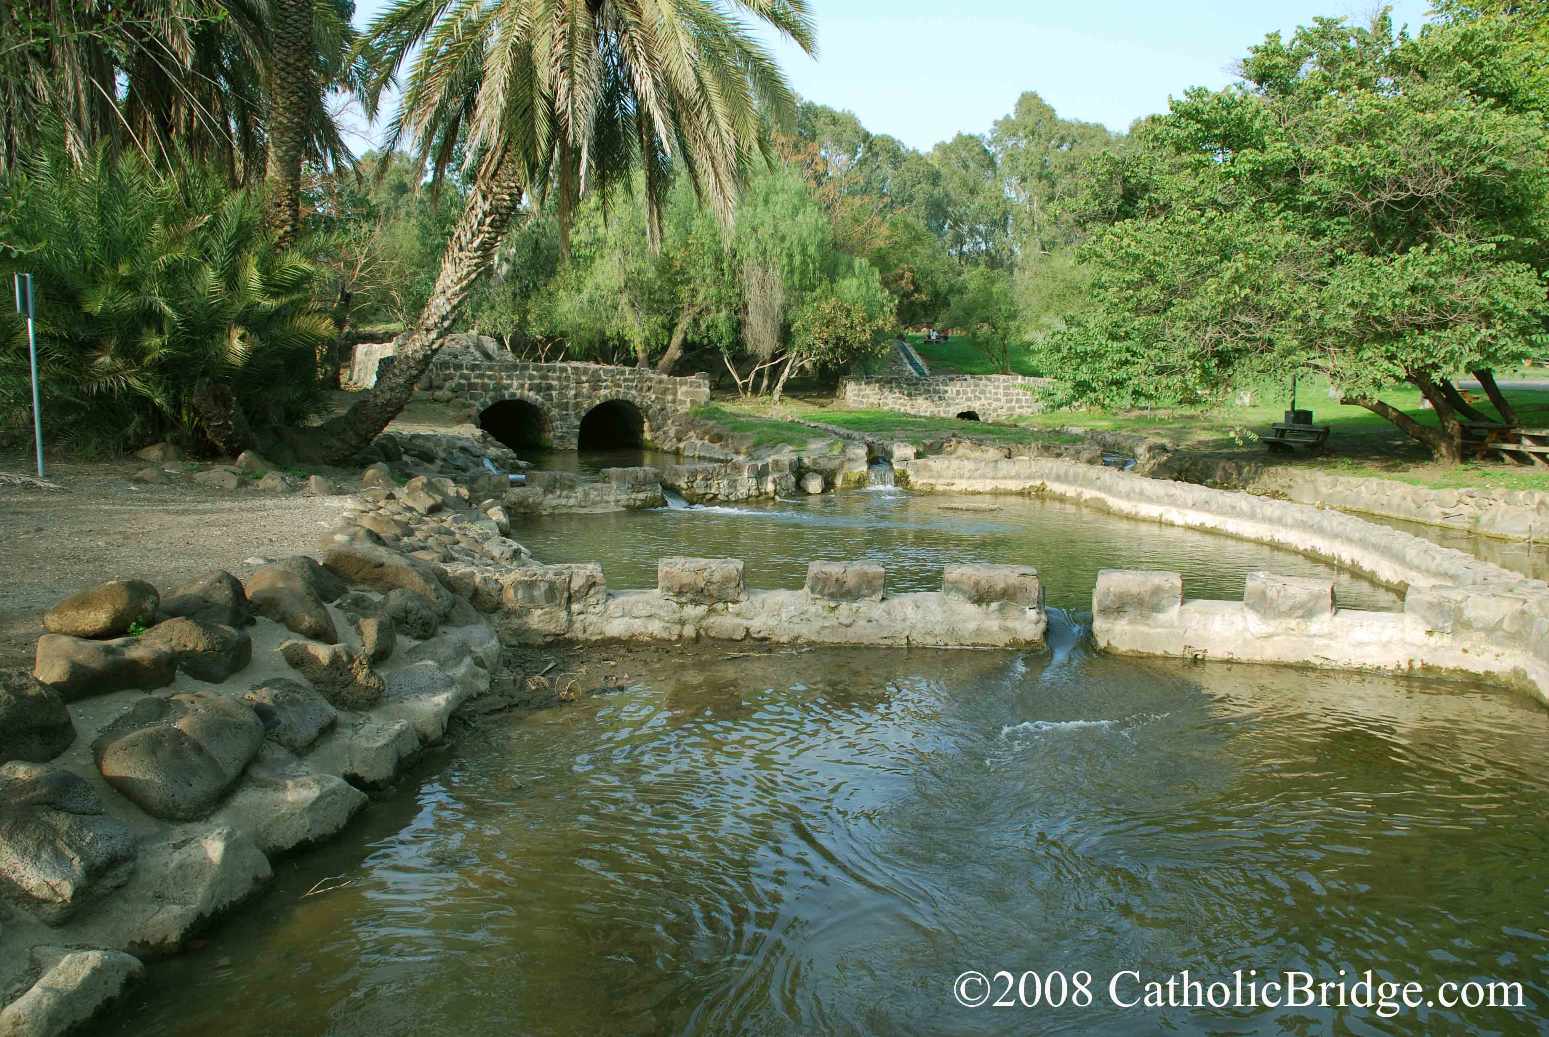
566	406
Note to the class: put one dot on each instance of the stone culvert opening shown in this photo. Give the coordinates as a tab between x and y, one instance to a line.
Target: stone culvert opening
516	424
968	415
614	425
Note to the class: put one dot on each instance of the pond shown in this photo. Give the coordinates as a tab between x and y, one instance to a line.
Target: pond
820	841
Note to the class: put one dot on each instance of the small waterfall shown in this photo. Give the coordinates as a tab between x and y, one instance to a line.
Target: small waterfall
879	476
675	500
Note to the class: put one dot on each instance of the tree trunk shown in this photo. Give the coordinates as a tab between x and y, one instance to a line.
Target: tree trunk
1446	416
291	89
679	338
487	214
1497	398
790	365
1441	446
221	418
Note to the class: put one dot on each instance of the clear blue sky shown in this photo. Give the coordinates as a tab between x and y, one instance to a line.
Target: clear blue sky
923	71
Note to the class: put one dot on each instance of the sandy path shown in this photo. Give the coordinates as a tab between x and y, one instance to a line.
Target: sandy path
101	526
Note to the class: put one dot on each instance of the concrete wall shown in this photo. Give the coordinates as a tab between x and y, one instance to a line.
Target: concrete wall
992	397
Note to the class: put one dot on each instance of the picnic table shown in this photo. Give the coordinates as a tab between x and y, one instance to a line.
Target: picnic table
1286	436
1523	445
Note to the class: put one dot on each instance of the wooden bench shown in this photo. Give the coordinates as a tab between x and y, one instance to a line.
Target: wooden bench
1531	446
1282	436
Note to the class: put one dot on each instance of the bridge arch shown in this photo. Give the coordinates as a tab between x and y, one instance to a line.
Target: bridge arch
613	424
517	423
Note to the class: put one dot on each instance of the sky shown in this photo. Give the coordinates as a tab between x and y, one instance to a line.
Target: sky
924	70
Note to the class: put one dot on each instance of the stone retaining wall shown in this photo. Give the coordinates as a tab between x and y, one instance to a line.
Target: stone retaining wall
1475	616
843	603
991	397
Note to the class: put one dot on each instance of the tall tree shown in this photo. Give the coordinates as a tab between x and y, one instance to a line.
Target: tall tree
292	92
1041	156
573	95
978	213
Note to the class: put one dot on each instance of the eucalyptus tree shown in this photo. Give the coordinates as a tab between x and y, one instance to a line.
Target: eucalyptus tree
573	94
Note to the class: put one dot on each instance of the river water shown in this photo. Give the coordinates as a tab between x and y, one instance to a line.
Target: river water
818	842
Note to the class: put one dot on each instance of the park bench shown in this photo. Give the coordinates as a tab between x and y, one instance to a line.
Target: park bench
1529	446
1296	431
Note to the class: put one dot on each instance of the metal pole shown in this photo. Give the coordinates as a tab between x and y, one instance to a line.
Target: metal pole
25	303
1293	392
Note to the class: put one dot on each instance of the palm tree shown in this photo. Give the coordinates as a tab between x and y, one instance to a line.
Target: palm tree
292	89
566	95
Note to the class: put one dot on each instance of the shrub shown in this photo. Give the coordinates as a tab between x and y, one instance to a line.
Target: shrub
161	302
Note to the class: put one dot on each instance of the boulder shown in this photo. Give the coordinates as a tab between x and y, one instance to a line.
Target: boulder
77	668
812	483
283	805
500	517
158	453
219	479
411	613
216	597
1137	592
250	463
1296	599
317	579
423	694
383	570
274	482
149	475
57	848
285	593
344	678
293	714
702	581
106	610
74	986
378	636
205	651
421	500
378	476
377	749
845	581
989	584
176	757
35	724
320	487
382	525
580	587
184	881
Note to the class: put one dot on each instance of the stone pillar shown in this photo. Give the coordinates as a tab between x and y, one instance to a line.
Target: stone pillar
1150	595
991	584
845	581
701	581
1279	599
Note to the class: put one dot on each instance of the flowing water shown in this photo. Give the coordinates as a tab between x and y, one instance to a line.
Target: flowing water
818	842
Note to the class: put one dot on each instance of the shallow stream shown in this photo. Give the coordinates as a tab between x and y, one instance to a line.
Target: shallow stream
818	842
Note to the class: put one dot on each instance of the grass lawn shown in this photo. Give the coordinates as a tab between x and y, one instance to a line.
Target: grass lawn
959	355
766	430
748	415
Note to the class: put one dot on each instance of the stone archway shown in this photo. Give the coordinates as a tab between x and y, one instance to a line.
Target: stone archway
517	424
968	415
612	425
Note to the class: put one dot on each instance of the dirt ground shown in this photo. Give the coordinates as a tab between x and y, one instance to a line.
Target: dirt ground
100	526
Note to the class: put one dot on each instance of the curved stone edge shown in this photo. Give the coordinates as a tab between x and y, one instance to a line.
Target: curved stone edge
1460	614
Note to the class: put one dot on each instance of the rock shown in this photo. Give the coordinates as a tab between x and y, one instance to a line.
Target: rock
423	694
219	479
205	651
411	613
383	570
77	668
1294	598
292	714
184	881
576	587
812	483
845	581
378	636
250	463
377	749
149	475
378	476
71	991
988	584
901	452
1137	592
318	580
57	847
35	724
421	501
106	610
176	757
705	581
274	482
158	453
216	597
286	593
383	526
345	678
285	806
320	487
500	517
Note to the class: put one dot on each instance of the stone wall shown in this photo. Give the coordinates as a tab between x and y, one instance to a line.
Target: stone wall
843	603
991	397
1469	615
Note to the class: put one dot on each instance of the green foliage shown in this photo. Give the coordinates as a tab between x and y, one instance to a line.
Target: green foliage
843	323
986	306
149	287
1361	205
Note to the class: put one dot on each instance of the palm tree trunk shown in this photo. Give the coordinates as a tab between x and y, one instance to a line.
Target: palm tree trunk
469	254
291	89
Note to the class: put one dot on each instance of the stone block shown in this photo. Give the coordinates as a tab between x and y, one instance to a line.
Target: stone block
845	581
989	584
1137	592
1272	598
703	581
70	991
